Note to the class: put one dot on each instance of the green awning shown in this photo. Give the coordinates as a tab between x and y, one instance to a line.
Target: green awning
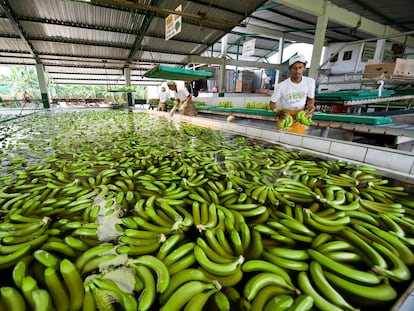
173	73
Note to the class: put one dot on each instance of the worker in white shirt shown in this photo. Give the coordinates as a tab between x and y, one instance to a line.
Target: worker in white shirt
294	94
183	99
164	96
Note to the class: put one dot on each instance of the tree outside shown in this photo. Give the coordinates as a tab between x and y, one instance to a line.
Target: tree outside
24	79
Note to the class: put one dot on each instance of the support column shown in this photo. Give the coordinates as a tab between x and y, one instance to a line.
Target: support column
319	40
127	74
222	82
42	85
379	50
280	57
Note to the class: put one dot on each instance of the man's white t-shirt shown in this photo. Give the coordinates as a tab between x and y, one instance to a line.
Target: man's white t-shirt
164	97
292	96
182	94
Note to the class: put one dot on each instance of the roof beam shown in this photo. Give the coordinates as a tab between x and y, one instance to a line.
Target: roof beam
347	18
224	61
90	27
18	27
138	39
202	18
271	33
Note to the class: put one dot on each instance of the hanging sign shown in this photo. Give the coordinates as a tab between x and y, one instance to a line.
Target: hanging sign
248	47
173	24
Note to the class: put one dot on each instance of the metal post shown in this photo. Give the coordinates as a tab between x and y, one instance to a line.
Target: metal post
42	85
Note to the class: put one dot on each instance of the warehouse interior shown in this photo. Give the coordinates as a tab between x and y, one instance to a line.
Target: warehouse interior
93	41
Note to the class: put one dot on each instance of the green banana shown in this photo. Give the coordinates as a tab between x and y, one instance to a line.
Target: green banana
336	245
168	245
345	271
373	257
29	284
46	258
321	239
399	271
184	293
148	295
319	301
10	259
266	294
404	251
199	301
181	277
225	280
138	250
257	282
302	118
89	303
290	264
325	288
100	250
125	299
73	282
297	227
57	289
211	253
221	301
160	269
221	269
103	262
302	302
59	247
178	253
289	253
41	300
279	303
369	294
12	298
225	244
259	265
322	224
19	272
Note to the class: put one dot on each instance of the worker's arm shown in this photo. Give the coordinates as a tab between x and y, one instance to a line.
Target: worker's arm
272	106
279	113
310	106
188	99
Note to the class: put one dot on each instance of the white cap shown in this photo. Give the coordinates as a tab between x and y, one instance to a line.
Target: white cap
297	58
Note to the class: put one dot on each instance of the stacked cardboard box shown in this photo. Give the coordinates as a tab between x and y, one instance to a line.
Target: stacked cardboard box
244	83
401	68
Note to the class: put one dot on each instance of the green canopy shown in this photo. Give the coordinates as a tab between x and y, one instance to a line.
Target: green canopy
173	73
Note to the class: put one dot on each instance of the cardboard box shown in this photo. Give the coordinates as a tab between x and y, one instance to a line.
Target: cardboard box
242	87
402	68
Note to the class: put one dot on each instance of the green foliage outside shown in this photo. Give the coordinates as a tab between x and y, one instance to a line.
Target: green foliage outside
24	78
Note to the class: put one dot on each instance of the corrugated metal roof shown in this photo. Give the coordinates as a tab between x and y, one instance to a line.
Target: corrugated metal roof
103	35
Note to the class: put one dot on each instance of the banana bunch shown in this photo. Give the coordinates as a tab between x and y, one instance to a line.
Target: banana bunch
63	286
302	118
285	123
269	280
